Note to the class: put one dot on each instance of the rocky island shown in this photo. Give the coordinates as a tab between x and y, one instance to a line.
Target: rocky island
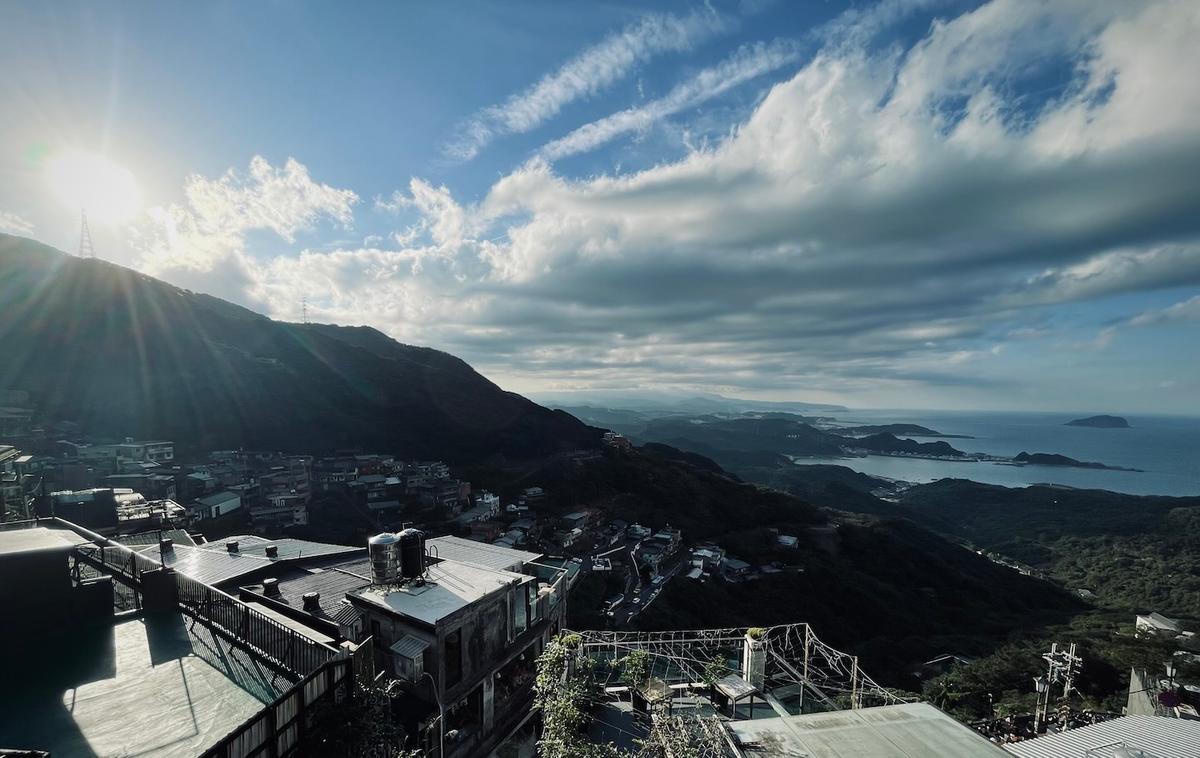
1100	422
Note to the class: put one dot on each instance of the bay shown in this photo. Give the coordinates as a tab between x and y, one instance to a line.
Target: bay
1165	448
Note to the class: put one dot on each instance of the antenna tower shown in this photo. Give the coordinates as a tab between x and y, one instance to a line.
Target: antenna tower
304	310
86	250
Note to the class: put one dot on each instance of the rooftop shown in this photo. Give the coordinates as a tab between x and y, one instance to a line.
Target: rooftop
131	688
212	563
890	731
1159	736
332	581
450	587
481	554
37	539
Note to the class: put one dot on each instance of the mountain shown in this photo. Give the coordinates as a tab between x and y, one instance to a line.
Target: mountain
890	443
1100	422
910	430
123	354
1139	553
1054	459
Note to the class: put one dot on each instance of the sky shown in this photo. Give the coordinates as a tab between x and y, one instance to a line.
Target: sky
901	204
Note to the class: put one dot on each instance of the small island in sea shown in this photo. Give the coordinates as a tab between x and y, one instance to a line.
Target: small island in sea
1100	422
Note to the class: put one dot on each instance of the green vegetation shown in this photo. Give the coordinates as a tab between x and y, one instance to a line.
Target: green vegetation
889	591
564	696
1135	553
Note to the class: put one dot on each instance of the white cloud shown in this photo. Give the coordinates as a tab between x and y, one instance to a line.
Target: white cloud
590	72
11	223
883	219
211	224
747	63
1185	310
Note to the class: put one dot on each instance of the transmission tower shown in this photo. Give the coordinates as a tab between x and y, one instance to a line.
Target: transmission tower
86	249
304	310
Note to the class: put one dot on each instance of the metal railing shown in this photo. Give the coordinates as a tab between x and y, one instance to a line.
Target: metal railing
278	729
289	649
285	646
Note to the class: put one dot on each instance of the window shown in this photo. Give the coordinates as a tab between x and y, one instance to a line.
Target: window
521	601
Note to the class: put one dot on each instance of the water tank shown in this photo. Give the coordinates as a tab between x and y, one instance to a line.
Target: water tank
412	553
384	551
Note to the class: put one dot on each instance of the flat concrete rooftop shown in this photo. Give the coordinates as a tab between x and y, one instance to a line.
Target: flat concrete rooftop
451	586
910	730
132	688
37	539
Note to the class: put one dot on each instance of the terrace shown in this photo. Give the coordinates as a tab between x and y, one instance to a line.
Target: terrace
121	656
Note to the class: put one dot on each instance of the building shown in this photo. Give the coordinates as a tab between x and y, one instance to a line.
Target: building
217	504
1157	625
735	568
157	451
281	509
464	631
12	493
614	440
907	729
1124	737
138	683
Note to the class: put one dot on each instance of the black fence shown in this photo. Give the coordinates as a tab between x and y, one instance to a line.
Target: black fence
277	730
287	648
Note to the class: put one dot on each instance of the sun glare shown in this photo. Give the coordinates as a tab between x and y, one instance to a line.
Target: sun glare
106	190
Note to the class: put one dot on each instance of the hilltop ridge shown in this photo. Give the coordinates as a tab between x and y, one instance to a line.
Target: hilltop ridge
121	353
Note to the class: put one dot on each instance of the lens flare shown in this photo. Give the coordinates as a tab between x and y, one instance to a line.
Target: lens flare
106	190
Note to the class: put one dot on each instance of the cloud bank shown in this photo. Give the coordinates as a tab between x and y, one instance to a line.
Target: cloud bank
885	218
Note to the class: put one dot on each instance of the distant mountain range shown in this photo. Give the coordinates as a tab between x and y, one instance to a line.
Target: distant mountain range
123	354
660	401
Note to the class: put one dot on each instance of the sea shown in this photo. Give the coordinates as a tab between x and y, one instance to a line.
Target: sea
1166	449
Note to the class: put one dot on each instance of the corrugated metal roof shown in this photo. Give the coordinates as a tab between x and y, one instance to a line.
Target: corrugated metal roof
144	539
214	564
409	646
481	553
347	615
332	582
1160	736
292	548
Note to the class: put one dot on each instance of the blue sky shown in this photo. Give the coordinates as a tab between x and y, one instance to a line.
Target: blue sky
904	203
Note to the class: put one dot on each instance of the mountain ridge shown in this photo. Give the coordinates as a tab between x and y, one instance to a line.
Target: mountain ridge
80	334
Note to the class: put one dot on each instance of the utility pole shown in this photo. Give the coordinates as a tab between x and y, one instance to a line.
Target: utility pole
1062	665
86	249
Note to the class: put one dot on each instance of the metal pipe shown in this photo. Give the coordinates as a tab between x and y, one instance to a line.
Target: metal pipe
441	716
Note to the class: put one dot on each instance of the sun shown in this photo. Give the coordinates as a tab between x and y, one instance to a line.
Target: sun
107	191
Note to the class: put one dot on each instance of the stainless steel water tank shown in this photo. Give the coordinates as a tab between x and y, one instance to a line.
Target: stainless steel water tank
384	552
